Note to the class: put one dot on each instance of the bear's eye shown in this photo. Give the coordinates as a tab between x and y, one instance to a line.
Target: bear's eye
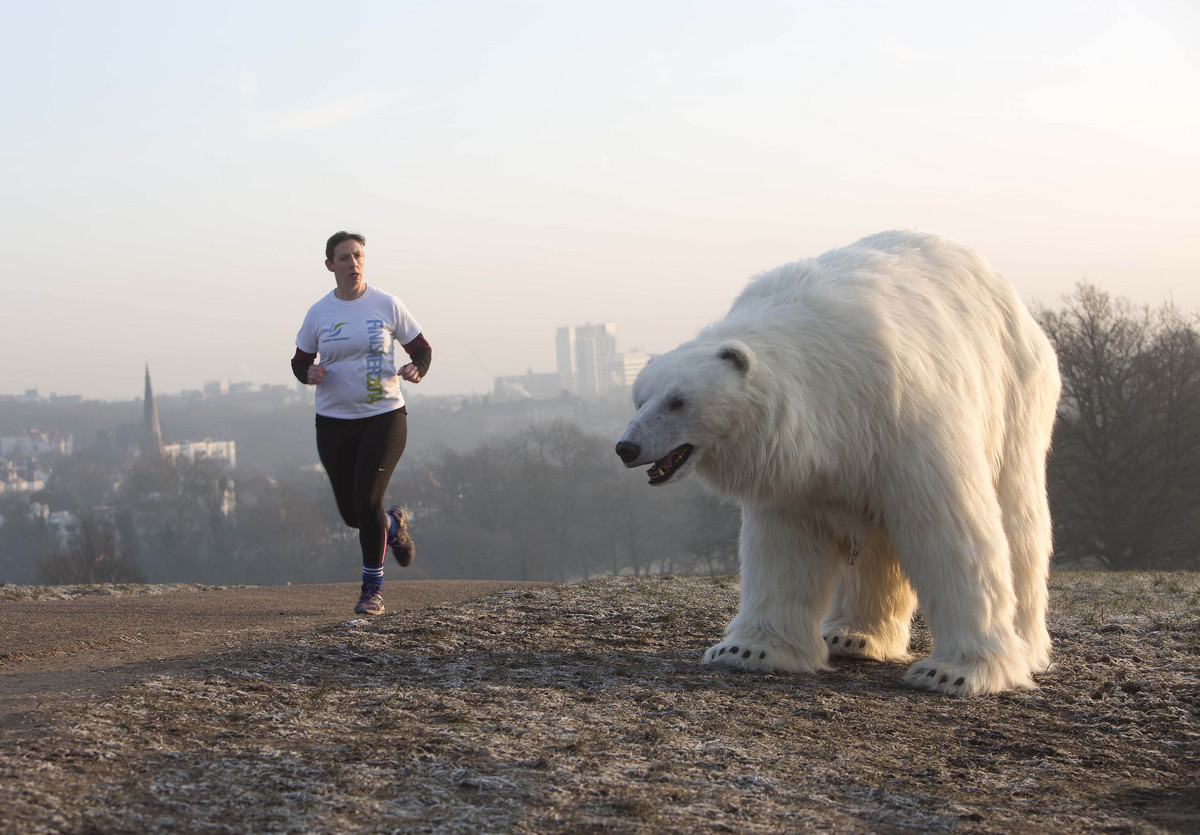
676	404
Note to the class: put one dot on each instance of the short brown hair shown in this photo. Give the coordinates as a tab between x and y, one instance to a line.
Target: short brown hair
341	238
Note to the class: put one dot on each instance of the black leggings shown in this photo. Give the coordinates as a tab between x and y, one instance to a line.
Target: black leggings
359	455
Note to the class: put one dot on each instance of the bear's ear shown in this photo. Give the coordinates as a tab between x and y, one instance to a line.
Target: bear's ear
738	353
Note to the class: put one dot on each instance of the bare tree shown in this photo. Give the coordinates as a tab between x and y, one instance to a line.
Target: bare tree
712	535
288	530
1124	474
553	503
94	554
25	539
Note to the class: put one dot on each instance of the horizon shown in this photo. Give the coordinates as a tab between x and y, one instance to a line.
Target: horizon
173	172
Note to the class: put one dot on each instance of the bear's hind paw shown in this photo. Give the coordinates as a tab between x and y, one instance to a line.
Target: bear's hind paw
851	643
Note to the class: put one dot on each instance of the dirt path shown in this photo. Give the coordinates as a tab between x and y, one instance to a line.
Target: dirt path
96	642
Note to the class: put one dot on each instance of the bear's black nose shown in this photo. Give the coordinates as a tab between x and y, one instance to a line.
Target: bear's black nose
627	451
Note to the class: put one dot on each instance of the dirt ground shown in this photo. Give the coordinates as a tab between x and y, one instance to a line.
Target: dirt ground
571	708
62	639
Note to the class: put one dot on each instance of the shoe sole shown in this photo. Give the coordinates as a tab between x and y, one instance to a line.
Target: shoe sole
403	549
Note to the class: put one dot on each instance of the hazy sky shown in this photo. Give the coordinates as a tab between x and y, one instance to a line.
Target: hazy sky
171	170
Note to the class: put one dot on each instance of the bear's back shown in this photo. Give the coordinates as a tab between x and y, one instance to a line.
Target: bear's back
905	280
920	262
900	317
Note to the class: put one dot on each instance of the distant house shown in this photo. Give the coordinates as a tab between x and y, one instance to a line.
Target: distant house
33	442
223	451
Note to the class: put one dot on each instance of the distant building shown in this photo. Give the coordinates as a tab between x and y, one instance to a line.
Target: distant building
595	347
152	443
33	442
224	451
153	448
24	479
564	352
584	355
624	368
528	386
588	362
472	419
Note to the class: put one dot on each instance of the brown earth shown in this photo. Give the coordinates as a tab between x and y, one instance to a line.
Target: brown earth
66	639
572	708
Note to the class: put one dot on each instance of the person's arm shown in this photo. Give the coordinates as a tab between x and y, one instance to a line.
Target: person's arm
421	354
302	364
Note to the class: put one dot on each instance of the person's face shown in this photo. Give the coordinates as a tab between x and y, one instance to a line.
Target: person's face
347	263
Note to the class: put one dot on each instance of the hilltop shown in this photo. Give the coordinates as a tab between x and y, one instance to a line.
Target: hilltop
582	707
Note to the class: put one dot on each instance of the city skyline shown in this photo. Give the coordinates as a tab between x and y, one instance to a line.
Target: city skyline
584	377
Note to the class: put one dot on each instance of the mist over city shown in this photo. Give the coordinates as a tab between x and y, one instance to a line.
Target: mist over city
556	192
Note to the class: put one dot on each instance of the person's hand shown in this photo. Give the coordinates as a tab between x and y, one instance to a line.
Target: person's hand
316	373
410	373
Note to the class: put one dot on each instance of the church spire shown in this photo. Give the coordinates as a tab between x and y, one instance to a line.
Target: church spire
152	445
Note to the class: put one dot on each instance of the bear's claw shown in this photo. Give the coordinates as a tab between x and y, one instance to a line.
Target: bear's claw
931	675
740	656
852	644
759	655
966	677
846	642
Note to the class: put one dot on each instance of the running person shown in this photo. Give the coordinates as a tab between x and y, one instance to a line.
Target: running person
362	423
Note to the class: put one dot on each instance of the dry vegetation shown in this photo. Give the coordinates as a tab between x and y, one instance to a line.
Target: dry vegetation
8	591
583	708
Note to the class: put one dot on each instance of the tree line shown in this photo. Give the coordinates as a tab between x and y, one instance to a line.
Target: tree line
552	502
1124	469
543	504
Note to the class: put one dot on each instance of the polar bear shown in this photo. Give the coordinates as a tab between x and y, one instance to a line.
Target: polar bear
882	413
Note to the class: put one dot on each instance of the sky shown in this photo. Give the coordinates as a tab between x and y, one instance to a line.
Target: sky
169	171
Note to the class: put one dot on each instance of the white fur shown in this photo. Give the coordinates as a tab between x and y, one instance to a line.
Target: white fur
892	399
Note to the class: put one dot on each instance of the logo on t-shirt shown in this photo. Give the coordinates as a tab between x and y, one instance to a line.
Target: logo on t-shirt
332	334
376	343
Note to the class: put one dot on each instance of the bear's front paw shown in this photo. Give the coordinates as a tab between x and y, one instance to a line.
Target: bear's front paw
968	677
741	655
764	656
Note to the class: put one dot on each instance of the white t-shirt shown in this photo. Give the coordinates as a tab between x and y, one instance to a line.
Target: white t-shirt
356	342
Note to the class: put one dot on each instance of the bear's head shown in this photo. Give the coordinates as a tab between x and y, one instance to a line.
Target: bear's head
688	401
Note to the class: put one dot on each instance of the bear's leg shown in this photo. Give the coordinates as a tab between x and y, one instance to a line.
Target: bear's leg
1021	489
787	576
872	606
945	522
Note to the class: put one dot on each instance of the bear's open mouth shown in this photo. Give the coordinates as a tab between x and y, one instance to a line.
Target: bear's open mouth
665	467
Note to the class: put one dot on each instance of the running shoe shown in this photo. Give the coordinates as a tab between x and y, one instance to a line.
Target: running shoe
401	544
370	602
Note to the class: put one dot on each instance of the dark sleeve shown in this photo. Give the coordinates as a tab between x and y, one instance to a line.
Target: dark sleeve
301	363
420	353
